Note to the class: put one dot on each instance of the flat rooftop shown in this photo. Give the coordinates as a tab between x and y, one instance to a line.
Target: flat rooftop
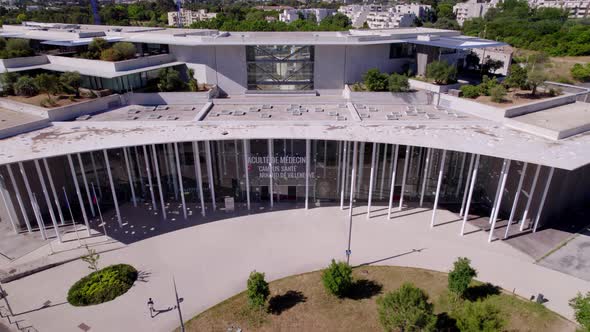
10	119
139	113
369	120
70	34
561	118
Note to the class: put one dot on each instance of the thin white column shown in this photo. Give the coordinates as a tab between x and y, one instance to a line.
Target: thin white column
166	169
130	177
78	193
156	162
471	187
441	172
139	171
270	171
530	197
149	176
9	208
411	161
339	166
19	198
426	164
108	166
200	176
210	172
467	185
393	170
497	193
371	179
53	192
307	160
516	197
180	184
499	204
361	164
38	216
325	156
246	172
47	199
95	174
461	175
404	176
352	176
28	187
344	177
83	172
545	191
383	170
236	159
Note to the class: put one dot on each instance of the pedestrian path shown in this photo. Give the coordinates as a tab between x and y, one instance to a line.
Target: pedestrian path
211	261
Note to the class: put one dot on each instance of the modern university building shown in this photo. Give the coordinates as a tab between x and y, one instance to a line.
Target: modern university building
279	126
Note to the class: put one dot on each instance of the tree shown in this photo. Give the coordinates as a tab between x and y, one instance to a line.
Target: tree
47	83
445	10
398	83
126	50
490	65
441	72
170	80
25	86
7	81
581	306
517	77
95	48
16	48
337	278
535	78
257	290
71	81
110	54
375	80
406	309
479	316
193	84
91	258
461	276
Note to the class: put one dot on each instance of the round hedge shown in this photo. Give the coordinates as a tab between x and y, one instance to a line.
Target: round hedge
103	285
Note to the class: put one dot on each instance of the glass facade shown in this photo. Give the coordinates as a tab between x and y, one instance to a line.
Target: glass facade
257	174
280	67
125	83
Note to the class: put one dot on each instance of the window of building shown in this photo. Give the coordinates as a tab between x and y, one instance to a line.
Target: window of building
280	67
401	50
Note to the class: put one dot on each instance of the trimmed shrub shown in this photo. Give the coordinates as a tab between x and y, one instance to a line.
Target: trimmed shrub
103	285
375	80
126	50
337	278
470	91
498	93
479	316
406	309
581	306
461	276
110	54
441	72
487	84
398	83
26	86
257	290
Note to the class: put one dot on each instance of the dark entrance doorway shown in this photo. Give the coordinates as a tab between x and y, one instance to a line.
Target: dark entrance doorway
292	193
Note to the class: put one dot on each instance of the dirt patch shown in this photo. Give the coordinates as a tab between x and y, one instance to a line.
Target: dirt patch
60	100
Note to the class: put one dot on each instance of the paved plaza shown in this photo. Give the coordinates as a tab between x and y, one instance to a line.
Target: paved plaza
211	260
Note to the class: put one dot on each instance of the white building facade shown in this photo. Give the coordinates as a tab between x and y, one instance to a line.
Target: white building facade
575	8
290	15
188	17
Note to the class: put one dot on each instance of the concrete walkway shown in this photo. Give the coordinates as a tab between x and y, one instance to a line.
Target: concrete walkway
211	262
